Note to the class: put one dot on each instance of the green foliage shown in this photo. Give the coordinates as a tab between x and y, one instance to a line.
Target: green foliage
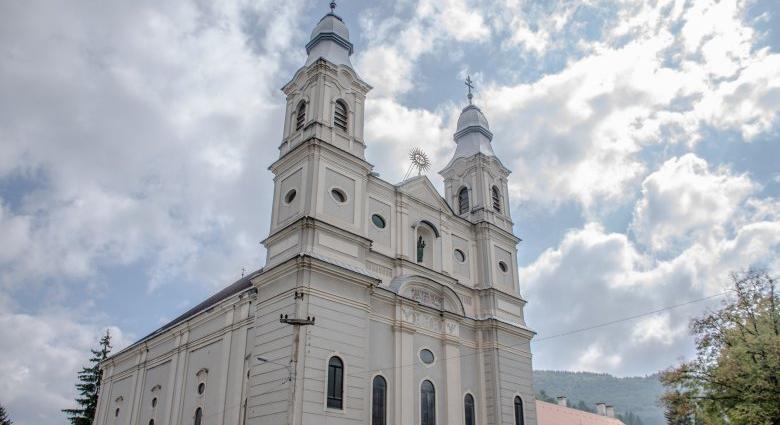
735	377
635	395
89	385
4	419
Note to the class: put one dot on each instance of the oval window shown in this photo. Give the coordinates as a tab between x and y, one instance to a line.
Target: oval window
502	265
290	196
201	388
426	356
378	221
460	256
338	195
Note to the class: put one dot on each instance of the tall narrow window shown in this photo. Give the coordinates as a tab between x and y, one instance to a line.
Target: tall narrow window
427	403
198	416
335	383
463	201
519	417
379	401
496	199
468	404
340	115
300	116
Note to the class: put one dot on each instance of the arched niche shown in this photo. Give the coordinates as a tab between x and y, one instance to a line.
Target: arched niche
426	248
428	292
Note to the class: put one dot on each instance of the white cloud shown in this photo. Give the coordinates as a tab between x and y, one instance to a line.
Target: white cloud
140	131
580	133
39	361
396	45
684	200
594	277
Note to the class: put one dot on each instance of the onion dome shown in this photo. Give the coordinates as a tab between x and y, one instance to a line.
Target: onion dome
473	135
330	40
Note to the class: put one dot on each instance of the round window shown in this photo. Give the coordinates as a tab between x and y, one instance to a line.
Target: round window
290	196
201	388
338	195
426	356
378	221
460	256
502	265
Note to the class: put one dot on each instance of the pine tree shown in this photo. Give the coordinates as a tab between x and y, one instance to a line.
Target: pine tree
89	385
4	419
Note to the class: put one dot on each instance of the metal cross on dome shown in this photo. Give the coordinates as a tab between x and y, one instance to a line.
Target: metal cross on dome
470	85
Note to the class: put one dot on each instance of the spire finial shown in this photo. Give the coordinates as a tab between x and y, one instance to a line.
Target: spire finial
470	85
333	6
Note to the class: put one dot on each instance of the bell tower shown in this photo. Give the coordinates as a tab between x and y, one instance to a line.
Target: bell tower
475	185
321	175
326	97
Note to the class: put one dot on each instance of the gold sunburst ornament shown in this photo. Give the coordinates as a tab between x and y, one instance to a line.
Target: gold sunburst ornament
419	160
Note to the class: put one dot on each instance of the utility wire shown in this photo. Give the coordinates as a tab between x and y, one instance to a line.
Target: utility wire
629	318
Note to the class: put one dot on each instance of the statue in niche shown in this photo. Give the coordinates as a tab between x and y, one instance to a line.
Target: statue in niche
420	249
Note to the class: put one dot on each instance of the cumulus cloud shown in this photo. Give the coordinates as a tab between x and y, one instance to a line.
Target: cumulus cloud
135	127
39	360
581	133
684	199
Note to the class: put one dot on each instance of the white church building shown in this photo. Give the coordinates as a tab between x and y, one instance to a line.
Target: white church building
379	303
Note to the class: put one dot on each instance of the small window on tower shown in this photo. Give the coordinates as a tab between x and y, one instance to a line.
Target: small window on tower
496	199
300	116
340	115
463	201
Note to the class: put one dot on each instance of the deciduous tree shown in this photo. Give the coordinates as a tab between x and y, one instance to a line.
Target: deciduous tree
735	377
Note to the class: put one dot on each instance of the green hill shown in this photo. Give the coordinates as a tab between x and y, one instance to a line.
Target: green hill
638	395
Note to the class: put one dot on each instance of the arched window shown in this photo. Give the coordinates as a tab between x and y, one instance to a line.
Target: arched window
335	383
300	116
340	115
151	421
468	404
519	417
496	199
379	401
427	403
198	416
463	201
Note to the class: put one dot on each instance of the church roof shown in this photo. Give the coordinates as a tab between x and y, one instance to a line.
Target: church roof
472	116
553	414
330	41
235	288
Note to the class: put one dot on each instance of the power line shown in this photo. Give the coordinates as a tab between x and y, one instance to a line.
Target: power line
629	318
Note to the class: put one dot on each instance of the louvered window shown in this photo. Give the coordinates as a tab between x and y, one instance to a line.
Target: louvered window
340	115
496	199
300	116
463	201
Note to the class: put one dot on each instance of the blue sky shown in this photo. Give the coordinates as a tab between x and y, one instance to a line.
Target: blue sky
135	139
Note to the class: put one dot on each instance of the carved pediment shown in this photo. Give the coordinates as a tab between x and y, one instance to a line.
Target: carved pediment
428	293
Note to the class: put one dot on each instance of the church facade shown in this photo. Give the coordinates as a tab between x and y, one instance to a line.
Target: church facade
378	304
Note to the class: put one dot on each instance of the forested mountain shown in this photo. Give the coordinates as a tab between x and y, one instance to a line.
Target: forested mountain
638	395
